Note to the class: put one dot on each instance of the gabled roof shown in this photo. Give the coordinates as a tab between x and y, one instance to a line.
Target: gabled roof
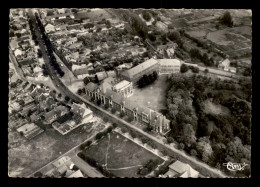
121	84
76	174
91	86
116	97
139	68
226	62
184	169
165	62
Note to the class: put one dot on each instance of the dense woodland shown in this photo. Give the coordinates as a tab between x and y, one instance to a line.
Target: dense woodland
213	138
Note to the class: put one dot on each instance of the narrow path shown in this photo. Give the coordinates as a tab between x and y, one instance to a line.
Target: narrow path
107	149
114	169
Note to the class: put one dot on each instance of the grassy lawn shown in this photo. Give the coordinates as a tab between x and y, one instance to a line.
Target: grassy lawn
152	96
121	154
215	109
34	154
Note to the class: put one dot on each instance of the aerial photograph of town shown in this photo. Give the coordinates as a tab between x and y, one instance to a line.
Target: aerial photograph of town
129	93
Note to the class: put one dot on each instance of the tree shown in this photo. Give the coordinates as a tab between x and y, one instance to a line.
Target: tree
206	71
109	129
181	146
130	118
38	174
204	148
67	98
106	106
79	91
193	152
155	75
184	68
194	69
122	114
99	135
170	140
187	135
113	110
146	15
174	36
226	19
114	125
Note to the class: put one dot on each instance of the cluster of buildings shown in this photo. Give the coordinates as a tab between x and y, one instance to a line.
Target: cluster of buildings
70	33
21	106
21	44
81	115
64	167
114	92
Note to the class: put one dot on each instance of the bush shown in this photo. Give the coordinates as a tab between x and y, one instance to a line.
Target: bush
130	118
124	130
82	147
99	135
184	68
114	125
122	114
105	119
113	110
170	140
109	129
106	106
88	143
181	146
38	174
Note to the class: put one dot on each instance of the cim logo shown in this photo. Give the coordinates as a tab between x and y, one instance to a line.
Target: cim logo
235	166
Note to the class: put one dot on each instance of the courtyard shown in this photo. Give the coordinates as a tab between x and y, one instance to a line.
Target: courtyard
152	96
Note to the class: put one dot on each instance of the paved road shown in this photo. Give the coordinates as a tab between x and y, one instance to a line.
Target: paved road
16	66
67	92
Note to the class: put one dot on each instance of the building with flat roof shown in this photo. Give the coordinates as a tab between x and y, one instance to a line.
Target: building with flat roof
135	73
169	66
124	87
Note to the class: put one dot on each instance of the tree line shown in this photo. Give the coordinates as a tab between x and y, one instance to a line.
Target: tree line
49	47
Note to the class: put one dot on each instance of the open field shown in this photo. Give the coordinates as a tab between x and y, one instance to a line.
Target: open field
197	33
152	96
32	155
215	109
122	156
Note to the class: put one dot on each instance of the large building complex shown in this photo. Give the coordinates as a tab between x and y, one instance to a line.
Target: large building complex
135	73
169	66
116	100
